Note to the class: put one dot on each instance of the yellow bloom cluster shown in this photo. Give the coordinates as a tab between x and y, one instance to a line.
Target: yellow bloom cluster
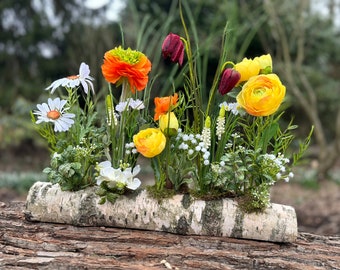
262	92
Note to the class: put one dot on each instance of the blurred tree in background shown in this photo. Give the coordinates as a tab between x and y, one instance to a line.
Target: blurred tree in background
43	40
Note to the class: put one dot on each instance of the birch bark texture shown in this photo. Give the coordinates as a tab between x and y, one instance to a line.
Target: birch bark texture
181	214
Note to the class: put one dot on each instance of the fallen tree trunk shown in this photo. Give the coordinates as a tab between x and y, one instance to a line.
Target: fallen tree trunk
28	245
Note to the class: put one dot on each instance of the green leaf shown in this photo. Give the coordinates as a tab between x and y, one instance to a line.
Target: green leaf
102	200
112	197
268	133
101	191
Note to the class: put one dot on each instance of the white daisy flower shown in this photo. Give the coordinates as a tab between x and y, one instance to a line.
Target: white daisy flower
82	78
54	111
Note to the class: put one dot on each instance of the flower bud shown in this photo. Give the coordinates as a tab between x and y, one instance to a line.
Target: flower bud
173	48
168	124
230	78
266	64
247	68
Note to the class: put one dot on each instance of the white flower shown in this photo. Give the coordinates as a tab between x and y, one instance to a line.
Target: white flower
130	180
136	104
232	107
114	176
54	111
121	106
133	104
82	78
206	137
111	175
220	127
103	165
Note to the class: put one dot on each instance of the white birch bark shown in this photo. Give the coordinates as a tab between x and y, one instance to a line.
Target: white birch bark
181	214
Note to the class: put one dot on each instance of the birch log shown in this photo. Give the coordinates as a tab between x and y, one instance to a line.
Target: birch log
180	214
39	245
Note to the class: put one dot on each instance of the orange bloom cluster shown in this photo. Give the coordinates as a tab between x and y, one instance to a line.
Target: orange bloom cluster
164	104
118	66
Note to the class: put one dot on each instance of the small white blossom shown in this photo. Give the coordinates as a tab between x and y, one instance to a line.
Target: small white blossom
206	137
133	104
136	104
220	127
185	137
232	107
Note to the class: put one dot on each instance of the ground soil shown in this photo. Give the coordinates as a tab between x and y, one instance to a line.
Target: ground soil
318	209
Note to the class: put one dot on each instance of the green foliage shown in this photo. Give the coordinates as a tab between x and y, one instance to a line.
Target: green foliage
73	167
110	193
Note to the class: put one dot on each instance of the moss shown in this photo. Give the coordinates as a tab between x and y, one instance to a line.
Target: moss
249	204
211	196
159	195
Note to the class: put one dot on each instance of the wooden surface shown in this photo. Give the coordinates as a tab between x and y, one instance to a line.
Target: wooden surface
27	245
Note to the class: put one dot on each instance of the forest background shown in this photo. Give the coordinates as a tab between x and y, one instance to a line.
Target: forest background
44	40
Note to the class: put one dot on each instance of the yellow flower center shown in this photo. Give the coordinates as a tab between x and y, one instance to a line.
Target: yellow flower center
73	77
129	56
54	115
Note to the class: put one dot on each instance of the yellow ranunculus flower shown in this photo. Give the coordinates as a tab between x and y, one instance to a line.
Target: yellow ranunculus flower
266	63
150	142
247	68
262	95
168	124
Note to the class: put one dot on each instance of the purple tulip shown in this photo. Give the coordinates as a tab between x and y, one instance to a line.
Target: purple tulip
173	48
230	78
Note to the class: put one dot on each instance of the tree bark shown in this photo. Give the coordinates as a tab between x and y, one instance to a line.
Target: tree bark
181	214
30	245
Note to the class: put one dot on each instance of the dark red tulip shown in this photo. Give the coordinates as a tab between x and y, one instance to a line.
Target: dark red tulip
230	78
173	48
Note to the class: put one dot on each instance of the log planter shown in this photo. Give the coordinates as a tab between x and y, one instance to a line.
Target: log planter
180	214
39	245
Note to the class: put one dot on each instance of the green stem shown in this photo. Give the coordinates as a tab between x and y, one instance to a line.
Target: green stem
193	82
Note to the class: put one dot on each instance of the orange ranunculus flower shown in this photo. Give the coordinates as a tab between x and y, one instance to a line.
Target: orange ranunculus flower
150	142
164	105
130	65
262	95
247	68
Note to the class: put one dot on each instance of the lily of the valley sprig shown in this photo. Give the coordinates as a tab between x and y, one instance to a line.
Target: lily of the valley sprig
234	144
